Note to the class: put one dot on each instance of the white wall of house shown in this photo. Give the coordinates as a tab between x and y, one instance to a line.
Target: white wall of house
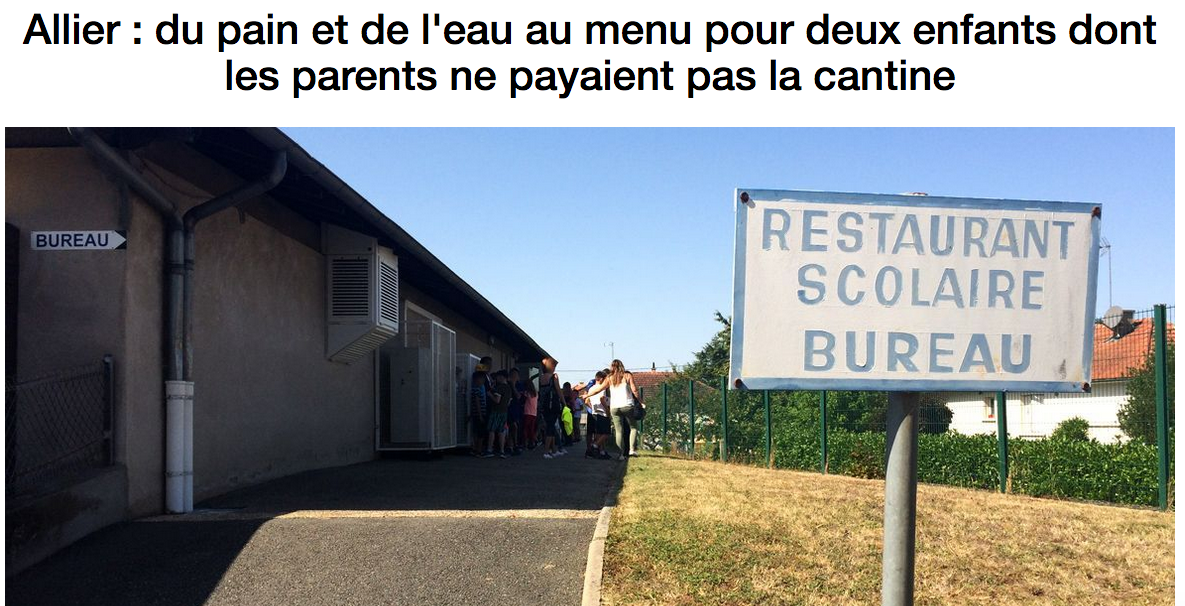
1036	415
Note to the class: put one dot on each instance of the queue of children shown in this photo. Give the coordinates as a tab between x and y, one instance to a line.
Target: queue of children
508	416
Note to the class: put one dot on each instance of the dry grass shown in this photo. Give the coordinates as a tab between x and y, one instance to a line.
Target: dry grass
707	533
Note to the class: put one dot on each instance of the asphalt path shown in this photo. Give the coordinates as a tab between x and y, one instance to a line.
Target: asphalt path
447	530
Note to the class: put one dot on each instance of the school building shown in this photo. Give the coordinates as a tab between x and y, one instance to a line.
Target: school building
193	310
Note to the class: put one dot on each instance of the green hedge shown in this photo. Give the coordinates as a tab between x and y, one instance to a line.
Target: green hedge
1117	473
1076	469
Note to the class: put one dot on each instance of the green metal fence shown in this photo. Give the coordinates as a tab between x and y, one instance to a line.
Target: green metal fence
1023	443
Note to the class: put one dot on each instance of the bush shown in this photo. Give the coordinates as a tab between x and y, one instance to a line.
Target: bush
1073	429
1118	473
1067	465
959	460
859	454
1061	468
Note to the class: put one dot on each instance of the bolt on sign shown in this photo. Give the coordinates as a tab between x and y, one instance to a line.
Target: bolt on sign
912	293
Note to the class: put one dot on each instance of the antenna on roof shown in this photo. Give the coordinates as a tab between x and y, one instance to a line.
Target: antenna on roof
1105	251
1119	320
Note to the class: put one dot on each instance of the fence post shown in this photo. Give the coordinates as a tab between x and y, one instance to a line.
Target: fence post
641	422
769	438
109	409
823	431
1162	430
1002	437
724	418
691	416
664	417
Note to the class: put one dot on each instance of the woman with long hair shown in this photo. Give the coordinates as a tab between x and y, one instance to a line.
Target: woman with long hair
622	395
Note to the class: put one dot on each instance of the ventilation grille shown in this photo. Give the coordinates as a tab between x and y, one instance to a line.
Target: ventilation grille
362	298
388	292
350	287
369	342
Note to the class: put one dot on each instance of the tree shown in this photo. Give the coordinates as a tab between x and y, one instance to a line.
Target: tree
1137	416
851	410
711	362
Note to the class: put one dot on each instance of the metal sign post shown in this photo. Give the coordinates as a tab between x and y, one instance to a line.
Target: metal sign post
910	294
901	492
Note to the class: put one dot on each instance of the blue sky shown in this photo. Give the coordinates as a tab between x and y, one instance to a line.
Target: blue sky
590	236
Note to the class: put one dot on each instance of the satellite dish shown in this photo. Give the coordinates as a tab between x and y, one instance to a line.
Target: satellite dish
1119	320
1113	317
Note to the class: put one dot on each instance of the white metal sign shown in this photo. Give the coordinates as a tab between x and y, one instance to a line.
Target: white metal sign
912	293
78	240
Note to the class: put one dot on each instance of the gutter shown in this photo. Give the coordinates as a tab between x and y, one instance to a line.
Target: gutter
192	217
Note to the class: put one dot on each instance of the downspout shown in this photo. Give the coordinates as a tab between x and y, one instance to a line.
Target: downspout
175	262
178	311
176	389
192	217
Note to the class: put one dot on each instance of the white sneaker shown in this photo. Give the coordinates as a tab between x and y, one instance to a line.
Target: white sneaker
633	454
561	453
547	455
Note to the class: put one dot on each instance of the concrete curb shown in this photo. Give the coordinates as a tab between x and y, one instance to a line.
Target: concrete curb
596	559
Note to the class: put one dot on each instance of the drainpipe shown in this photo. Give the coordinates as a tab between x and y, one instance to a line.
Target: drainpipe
174	264
176	389
192	217
178	311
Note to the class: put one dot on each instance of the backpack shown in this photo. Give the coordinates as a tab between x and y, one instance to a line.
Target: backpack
549	402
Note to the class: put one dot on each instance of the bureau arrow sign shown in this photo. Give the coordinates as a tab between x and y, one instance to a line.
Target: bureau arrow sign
78	240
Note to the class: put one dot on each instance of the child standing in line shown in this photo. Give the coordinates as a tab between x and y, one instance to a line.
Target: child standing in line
514	416
478	401
499	405
599	421
577	412
530	412
566	424
566	416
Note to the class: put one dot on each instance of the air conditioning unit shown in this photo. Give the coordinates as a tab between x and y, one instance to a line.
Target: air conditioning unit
417	401
363	294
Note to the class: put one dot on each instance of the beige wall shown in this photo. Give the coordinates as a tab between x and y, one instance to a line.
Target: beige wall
270	402
54	190
267	401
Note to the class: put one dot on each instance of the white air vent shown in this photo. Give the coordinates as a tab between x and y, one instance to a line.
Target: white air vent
363	297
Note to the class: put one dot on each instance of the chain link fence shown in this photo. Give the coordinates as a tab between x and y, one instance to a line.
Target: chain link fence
57	424
1101	446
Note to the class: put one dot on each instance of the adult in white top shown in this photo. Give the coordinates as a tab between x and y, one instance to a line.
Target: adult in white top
622	390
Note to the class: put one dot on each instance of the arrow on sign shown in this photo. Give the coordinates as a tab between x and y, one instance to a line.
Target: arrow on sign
78	240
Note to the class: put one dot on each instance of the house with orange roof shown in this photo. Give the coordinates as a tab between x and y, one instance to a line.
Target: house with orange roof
1118	354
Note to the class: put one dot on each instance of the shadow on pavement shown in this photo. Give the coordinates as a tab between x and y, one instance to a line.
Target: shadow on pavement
183	562
445	482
